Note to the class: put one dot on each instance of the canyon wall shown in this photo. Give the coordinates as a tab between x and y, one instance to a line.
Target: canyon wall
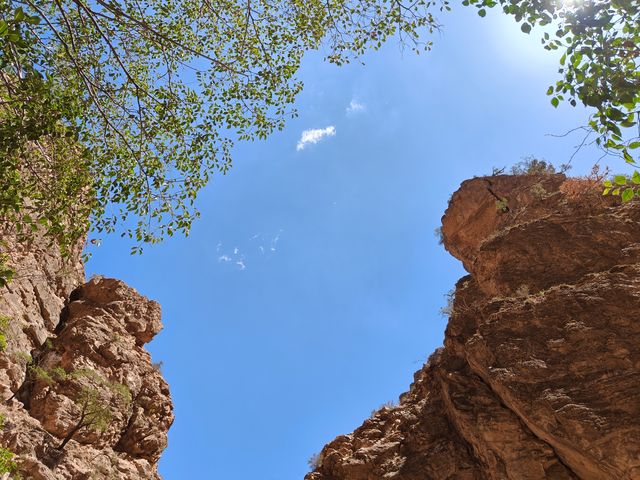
539	376
81	398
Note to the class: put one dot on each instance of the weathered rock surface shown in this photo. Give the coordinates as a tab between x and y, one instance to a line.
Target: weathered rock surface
69	342
539	376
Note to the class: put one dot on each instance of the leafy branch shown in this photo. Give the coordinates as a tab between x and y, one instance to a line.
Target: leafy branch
128	107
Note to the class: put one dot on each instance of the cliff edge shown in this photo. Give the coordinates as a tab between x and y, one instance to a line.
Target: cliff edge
80	397
539	376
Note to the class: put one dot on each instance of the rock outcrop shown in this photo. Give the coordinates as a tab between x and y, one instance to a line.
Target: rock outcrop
81	398
539	376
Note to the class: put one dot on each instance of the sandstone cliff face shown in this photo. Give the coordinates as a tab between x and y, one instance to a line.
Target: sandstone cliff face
539	377
71	346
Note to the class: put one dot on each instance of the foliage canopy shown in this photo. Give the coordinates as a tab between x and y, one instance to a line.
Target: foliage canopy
148	96
115	113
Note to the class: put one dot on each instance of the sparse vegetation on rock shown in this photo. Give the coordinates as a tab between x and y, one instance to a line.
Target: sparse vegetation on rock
314	461
76	401
7	464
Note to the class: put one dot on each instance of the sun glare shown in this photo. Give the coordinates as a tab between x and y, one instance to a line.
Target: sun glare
523	51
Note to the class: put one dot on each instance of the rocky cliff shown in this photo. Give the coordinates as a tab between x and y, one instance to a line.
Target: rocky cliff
80	396
539	376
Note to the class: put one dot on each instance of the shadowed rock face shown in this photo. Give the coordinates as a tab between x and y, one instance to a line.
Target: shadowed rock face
66	337
539	377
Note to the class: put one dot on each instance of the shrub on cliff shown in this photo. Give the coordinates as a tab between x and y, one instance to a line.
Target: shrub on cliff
533	166
4	324
94	414
95	405
7	465
314	461
95	400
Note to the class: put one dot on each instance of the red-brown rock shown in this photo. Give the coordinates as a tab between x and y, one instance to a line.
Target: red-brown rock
539	377
65	337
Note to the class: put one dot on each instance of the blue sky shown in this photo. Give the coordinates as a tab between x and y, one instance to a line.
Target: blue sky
309	291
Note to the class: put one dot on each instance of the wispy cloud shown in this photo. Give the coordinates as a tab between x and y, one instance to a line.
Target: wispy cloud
240	258
314	136
235	258
275	240
355	107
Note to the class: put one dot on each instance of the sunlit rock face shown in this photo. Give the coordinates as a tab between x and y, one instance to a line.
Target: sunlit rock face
65	338
539	376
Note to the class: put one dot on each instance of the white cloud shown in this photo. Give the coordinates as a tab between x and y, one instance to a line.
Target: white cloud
314	136
224	258
275	240
241	264
355	107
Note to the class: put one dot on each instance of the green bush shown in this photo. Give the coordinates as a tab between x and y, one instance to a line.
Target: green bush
41	374
48	376
4	324
122	391
23	357
6	272
7	465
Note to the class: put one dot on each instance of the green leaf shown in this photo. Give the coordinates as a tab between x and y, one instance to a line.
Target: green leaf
606	191
607	183
627	157
555	102
482	12
620	180
525	27
635	178
627	195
